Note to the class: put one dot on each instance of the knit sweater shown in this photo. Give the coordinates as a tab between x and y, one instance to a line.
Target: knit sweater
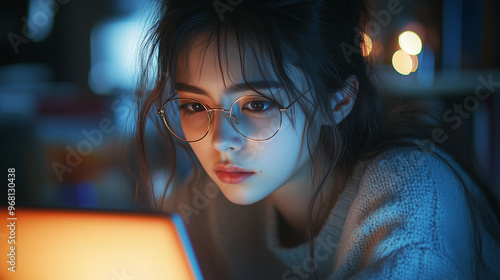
402	215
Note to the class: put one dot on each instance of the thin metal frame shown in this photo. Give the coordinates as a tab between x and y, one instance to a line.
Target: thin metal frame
228	115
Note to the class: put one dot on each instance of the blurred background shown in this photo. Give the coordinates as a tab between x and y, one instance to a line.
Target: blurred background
67	74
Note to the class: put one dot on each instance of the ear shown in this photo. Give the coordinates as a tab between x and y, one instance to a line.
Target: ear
345	99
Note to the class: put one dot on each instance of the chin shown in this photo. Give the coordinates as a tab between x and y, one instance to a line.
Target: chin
242	198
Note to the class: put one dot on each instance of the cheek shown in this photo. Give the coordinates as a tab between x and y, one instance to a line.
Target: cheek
202	151
282	154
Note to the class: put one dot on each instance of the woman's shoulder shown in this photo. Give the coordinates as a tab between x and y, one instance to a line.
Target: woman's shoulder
418	179
417	191
414	165
415	199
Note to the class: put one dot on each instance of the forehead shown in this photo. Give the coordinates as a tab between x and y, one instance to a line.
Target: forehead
228	63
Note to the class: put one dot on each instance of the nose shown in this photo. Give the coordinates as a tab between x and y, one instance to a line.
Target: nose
224	137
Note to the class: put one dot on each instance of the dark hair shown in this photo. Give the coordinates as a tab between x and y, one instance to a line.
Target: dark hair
306	34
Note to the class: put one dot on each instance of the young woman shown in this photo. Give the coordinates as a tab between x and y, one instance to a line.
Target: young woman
283	161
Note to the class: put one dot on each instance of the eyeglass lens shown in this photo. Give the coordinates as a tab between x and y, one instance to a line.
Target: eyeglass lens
254	117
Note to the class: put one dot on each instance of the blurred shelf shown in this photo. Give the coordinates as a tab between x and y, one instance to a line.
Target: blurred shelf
438	84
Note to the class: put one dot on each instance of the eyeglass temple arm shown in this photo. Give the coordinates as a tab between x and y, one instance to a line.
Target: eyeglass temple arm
286	108
161	111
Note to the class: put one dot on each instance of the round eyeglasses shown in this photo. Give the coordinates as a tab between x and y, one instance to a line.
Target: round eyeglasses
255	117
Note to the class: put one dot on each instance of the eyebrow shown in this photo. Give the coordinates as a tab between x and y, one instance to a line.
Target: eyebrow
179	86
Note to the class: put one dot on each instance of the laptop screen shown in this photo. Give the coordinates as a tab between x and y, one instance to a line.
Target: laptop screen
77	244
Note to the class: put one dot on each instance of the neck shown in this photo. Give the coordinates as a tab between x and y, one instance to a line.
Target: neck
291	202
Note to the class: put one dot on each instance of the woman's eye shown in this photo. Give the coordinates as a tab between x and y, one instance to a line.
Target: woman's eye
258	105
192	107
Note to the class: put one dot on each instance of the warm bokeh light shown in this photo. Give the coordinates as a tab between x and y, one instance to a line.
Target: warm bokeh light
414	61
410	42
402	62
366	49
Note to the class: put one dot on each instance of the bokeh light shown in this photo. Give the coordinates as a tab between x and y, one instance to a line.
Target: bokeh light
414	63
402	62
367	46
410	42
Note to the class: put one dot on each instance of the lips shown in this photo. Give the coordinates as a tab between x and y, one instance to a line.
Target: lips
232	174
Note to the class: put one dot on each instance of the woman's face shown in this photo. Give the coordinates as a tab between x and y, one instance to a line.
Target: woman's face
245	171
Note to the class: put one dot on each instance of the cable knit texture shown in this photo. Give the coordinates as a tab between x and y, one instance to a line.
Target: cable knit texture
403	215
